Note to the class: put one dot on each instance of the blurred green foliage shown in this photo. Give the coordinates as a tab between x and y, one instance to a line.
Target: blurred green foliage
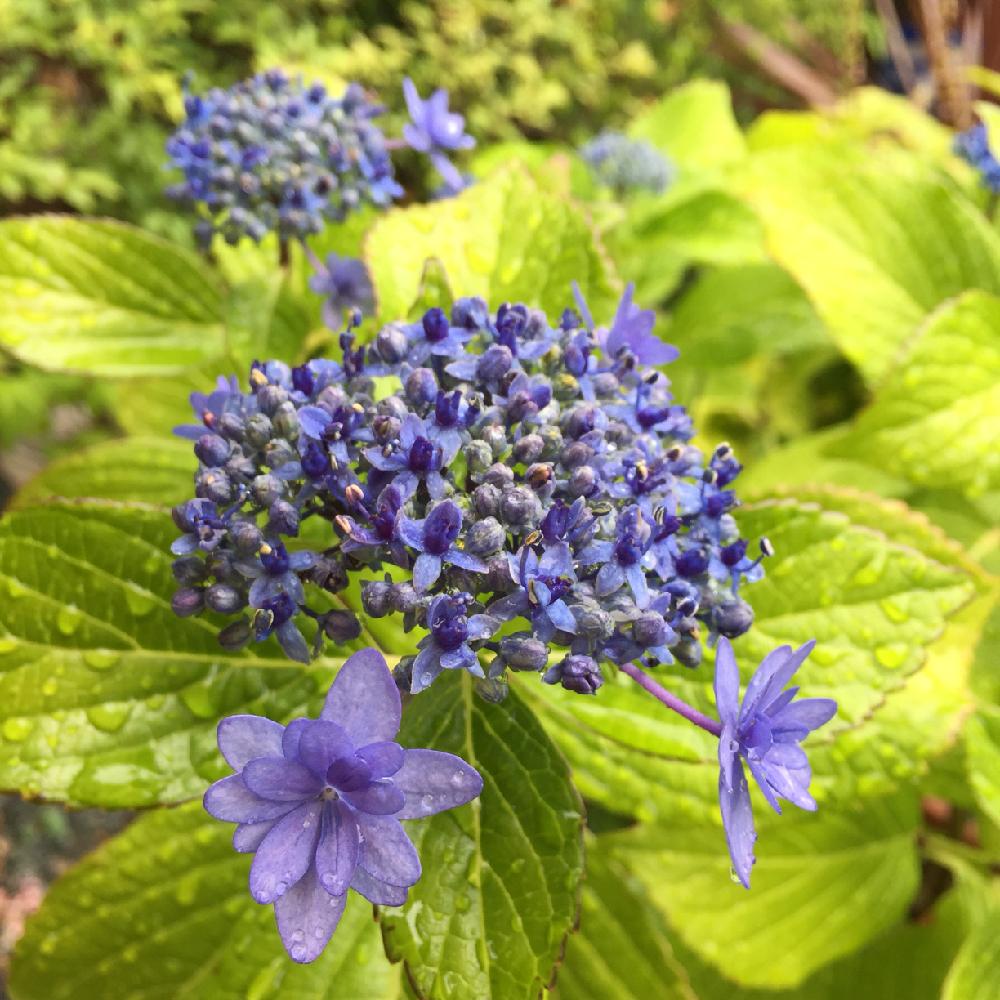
90	87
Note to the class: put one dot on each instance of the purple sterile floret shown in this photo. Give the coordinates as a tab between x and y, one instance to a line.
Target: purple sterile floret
318	803
435	130
764	733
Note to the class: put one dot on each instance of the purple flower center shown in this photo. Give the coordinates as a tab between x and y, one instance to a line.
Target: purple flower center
441	528
555	524
435	324
650	416
349	774
302	380
692	563
628	549
450	627
446	408
315	462
275	562
422	455
732	554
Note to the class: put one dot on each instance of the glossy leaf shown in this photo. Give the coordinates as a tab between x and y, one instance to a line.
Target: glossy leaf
164	910
826	884
863	235
103	298
491	917
106	698
504	239
933	419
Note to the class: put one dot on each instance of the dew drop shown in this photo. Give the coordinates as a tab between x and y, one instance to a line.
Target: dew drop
100	659
458	778
68	619
298	936
16	729
298	952
108	718
139	601
427	801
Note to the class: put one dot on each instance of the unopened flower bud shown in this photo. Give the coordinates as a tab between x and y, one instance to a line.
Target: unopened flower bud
494	363
286	421
283	519
732	618
189	570
235	636
478	456
421	387
485	537
524	652
486	500
270	397
341	626
214	485
687	651
267	489
577	673
279	453
224	599
519	507
391	343
259	430
246	537
211	449
650	629
376	598
529	449
187	601
496	437
231	426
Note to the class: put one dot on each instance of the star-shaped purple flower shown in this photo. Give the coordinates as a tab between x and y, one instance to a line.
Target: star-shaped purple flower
434	539
542	583
631	331
764	732
417	458
319	802
434	130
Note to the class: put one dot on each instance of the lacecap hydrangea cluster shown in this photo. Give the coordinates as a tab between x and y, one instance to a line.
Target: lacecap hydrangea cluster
523	490
973	146
271	154
627	165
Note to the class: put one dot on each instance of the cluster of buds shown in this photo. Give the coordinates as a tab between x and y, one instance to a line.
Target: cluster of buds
627	165
533	481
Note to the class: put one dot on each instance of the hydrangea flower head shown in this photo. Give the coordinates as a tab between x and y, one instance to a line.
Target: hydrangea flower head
763	732
318	803
436	131
627	165
272	154
513	471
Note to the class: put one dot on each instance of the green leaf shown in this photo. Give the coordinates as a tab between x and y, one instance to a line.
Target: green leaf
153	470
862	233
982	749
933	418
504	239
976	971
620	951
103	298
910	960
874	605
106	698
825	884
733	313
163	910
491	920
694	126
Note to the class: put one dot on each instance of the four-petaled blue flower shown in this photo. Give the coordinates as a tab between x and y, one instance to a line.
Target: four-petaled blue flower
417	459
435	537
446	647
542	583
345	283
764	733
318	803
435	130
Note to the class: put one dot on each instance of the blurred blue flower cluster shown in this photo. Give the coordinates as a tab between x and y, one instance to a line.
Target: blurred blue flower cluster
973	146
627	165
273	155
533	480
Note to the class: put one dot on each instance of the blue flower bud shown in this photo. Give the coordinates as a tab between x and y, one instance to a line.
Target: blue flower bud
494	363
523	651
392	343
189	570
485	537
211	449
235	636
283	519
259	430
732	618
187	601
267	489
224	599
520	508
486	500
421	387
